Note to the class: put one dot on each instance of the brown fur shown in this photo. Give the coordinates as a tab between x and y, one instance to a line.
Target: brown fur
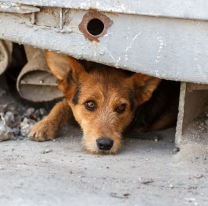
108	88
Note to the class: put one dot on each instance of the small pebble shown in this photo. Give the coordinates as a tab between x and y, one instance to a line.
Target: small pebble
30	110
176	149
43	112
43	160
6	132
37	113
26	126
46	151
9	118
146	181
171	186
198	176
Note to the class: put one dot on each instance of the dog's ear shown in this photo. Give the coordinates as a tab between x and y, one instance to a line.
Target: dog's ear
63	66
144	86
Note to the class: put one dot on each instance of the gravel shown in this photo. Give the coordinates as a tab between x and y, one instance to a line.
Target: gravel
15	123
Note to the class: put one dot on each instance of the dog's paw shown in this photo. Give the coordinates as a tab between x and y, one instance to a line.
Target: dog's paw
43	131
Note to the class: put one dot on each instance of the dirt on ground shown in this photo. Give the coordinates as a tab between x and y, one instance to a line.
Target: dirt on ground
59	172
196	130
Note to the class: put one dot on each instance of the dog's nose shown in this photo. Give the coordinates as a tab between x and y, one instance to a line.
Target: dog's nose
104	143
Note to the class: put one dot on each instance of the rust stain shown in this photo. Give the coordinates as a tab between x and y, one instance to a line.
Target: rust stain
93	9
2	34
94	14
113	14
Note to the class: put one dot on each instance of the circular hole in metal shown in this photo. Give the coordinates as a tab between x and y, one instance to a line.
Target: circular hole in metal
95	27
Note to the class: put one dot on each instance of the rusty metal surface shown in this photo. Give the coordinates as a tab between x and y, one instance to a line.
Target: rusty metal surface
90	15
187	9
35	82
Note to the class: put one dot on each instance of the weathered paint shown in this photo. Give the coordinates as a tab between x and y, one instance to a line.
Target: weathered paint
17	8
163	47
186	9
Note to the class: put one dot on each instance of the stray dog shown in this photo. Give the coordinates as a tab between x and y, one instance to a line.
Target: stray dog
105	101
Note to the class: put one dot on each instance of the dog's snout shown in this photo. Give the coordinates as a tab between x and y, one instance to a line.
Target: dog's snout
104	143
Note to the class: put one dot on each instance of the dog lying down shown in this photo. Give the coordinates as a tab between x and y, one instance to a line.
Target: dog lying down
106	101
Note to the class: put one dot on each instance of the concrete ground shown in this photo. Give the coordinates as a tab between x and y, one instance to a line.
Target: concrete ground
143	173
58	173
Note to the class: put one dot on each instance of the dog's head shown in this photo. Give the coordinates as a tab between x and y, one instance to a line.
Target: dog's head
103	100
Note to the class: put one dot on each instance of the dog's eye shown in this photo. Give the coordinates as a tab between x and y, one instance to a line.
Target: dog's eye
121	108
90	105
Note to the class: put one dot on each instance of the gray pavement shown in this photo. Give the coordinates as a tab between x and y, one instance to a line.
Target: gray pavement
59	173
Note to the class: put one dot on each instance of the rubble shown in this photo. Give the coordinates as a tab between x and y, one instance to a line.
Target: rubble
15	123
6	132
25	126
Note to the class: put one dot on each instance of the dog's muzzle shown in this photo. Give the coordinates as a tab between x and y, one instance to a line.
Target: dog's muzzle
104	143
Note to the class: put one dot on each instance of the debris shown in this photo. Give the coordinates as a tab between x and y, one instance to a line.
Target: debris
171	186
9	119
30	110
26	126
4	108
55	140
43	160
29	113
146	181
46	151
175	150
198	176
190	199
16	131
6	132
124	196
37	114
43	112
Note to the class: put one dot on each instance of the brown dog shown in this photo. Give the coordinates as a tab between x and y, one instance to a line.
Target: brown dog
105	101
